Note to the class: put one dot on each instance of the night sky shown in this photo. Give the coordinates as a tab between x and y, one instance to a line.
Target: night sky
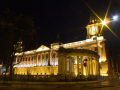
66	18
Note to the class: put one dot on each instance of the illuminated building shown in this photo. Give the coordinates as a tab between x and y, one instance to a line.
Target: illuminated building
86	57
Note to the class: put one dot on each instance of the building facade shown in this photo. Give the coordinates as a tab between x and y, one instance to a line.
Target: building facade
86	57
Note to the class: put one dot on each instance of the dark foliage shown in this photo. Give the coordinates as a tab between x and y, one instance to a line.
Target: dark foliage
15	27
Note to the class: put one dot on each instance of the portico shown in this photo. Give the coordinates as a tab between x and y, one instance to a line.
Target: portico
71	62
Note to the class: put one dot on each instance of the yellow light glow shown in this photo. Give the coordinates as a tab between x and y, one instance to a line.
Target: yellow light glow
105	21
102	21
93	27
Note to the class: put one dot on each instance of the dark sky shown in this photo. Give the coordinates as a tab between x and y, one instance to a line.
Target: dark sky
67	18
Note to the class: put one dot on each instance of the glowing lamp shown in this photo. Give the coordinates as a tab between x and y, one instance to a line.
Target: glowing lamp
115	17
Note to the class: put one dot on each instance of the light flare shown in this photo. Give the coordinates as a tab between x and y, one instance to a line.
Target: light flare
103	22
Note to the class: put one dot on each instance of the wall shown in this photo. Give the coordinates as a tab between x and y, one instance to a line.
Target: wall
44	70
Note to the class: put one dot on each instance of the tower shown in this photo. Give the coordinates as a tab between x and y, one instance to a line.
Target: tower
93	33
93	28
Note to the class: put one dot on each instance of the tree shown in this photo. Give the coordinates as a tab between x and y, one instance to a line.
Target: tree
14	27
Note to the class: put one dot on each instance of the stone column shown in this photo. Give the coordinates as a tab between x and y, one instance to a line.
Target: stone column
88	66
81	65
55	59
44	59
33	60
39	62
75	59
70	65
103	52
27	60
36	60
49	59
59	64
62	65
73	67
65	61
91	67
30	60
40	59
98	68
78	72
23	60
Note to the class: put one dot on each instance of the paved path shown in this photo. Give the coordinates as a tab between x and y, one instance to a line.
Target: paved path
105	85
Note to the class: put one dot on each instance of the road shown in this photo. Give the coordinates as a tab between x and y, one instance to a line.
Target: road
104	85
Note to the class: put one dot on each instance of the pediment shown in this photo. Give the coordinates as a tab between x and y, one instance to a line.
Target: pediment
42	48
